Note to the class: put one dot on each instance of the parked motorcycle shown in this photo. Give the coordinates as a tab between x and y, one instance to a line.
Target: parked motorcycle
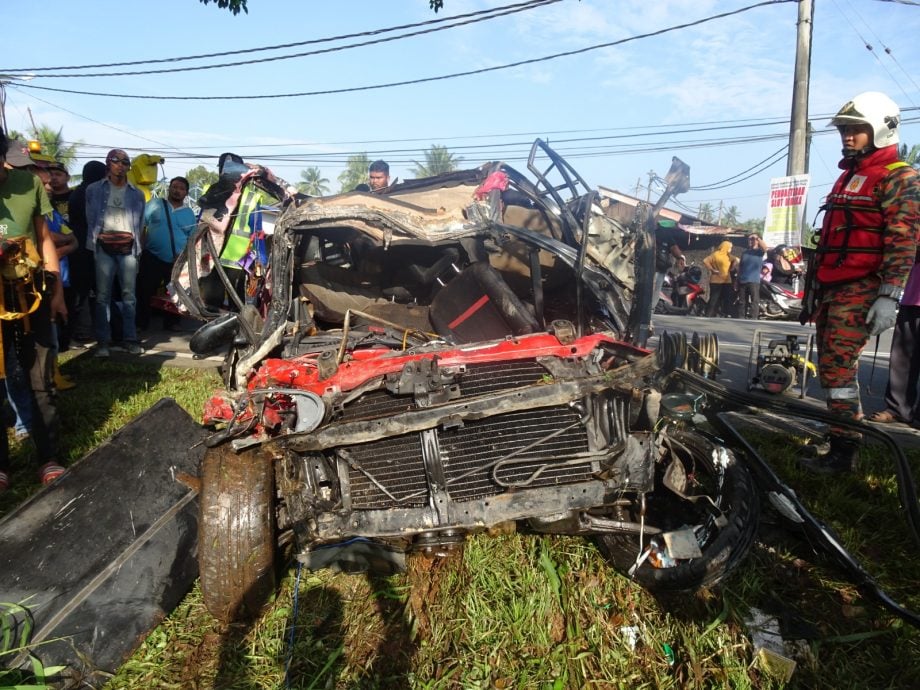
778	302
679	294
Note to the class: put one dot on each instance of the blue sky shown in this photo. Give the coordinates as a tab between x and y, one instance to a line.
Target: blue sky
617	113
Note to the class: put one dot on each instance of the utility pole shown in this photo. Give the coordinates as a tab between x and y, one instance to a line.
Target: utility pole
3	104
32	120
799	138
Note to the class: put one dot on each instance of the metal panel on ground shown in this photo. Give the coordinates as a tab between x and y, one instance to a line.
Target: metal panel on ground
101	556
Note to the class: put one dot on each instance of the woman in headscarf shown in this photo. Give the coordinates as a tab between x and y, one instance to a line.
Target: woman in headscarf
720	264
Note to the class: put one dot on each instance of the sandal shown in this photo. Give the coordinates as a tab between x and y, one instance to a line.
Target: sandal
49	472
885	417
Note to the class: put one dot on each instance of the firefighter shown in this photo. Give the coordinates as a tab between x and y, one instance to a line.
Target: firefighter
866	247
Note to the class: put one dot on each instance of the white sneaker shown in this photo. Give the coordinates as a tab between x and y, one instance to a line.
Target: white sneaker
102	352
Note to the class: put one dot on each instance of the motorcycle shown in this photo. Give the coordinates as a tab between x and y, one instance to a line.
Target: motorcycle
682	294
778	302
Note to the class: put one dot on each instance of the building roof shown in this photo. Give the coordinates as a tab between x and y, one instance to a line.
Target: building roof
685	221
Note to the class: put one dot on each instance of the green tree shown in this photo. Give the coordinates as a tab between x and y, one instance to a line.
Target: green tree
706	214
53	145
355	172
911	155
312	182
730	216
199	179
754	225
233	5
438	160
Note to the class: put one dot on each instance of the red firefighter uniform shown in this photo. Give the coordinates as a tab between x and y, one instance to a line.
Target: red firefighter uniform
868	240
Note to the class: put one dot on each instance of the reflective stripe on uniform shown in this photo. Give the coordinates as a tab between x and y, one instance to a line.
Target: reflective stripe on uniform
847	393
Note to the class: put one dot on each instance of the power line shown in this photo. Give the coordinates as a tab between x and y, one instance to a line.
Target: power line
713	185
224	53
105	124
422	80
526	6
887	52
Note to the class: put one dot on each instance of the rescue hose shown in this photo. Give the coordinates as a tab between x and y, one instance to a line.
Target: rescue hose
817	532
907	488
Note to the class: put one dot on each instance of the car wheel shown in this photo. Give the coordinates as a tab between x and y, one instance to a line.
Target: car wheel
236	547
724	537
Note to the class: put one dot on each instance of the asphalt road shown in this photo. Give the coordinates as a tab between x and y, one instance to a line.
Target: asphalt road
735	339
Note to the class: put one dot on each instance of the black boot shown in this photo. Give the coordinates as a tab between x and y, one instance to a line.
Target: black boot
844	453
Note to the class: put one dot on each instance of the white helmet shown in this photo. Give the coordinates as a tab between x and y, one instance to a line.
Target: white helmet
875	109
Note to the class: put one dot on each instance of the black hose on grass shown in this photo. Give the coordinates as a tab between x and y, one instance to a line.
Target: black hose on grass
817	531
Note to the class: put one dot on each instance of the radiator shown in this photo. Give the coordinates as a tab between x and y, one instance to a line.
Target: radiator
468	454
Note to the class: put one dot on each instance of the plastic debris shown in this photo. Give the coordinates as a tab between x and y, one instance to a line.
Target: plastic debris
630	634
769	648
682	544
668	654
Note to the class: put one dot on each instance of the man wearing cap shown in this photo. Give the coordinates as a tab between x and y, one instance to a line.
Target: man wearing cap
115	220
26	243
866	248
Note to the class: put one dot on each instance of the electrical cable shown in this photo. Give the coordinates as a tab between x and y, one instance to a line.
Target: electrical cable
421	80
277	58
243	51
728	179
887	50
868	46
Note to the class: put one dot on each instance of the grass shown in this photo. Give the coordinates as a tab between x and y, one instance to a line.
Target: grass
520	611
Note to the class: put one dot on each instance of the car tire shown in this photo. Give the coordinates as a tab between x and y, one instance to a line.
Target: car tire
723	549
236	540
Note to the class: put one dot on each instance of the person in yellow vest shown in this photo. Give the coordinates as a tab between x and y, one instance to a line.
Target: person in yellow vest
33	298
238	252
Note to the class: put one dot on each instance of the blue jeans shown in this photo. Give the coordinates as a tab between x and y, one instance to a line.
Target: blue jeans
18	391
106	268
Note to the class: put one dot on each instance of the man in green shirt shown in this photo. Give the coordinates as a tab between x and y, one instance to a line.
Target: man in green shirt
32	297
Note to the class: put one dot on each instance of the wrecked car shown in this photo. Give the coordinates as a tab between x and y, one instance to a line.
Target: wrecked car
457	354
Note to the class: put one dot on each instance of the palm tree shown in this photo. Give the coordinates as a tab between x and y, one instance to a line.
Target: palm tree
730	216
706	213
355	172
911	155
312	182
438	160
53	145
